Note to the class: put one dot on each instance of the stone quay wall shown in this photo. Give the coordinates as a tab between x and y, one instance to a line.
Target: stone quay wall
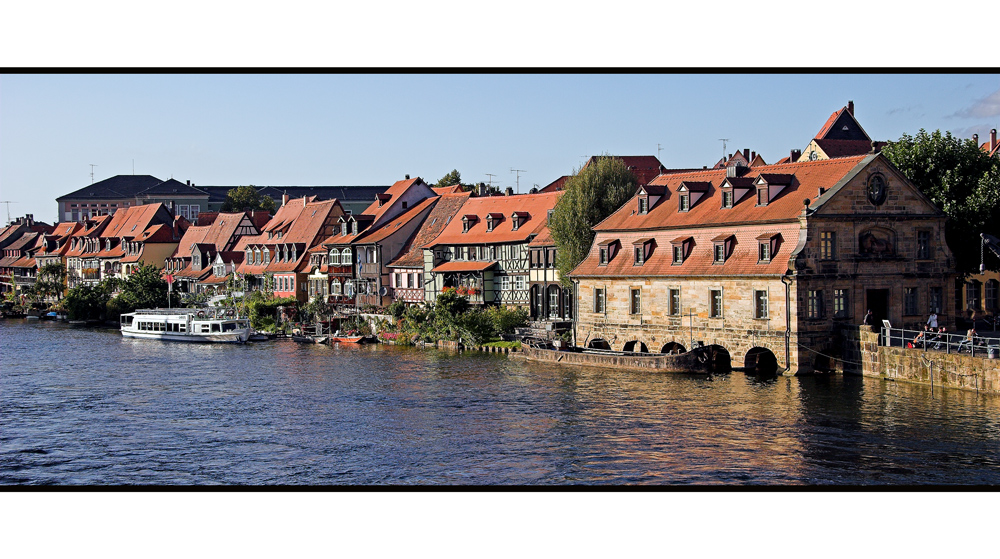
862	355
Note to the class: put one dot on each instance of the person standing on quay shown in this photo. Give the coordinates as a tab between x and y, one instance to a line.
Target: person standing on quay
932	320
869	318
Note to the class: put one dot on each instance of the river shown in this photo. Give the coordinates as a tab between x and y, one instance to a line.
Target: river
83	406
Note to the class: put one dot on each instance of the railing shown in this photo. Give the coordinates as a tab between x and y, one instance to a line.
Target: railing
921	340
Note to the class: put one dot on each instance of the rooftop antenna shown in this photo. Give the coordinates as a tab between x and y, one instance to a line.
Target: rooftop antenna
92	173
723	140
8	202
490	175
518	180
659	149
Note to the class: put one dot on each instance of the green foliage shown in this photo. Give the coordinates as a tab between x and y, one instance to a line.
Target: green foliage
194	300
264	311
50	282
396	309
504	320
85	302
246	198
450	304
960	179
452	318
450	179
316	308
591	195
143	289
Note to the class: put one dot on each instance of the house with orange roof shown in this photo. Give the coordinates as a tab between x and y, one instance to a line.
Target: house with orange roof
279	254
840	136
991	147
765	261
135	236
18	269
483	252
206	255
407	275
550	301
82	264
351	267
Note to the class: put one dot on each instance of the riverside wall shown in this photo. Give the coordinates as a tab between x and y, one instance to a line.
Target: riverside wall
862	355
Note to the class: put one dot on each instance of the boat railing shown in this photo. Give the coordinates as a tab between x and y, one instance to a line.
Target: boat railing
214	313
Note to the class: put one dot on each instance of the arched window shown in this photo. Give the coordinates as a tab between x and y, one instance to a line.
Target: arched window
345	257
335	257
256	256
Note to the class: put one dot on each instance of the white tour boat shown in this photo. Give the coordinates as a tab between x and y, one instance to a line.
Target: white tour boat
217	325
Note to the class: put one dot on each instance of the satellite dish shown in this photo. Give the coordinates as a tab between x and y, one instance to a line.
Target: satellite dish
384	291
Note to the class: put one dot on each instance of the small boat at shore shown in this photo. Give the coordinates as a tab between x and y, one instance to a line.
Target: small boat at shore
186	325
347	339
306	339
709	359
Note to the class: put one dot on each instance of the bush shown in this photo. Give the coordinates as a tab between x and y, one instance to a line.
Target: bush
397	309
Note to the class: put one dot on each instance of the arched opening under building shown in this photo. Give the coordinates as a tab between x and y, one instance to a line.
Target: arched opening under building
722	361
761	362
823	364
635	345
599	344
673	348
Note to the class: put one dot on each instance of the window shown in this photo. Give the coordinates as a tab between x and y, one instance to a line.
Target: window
550	258
762	196
505	283
764	255
256	256
404	204
335	287
520	283
675	302
536	258
643	204
840	303
415	282
514	222
827	245
910	301
815	304
335	257
923	245
345	257
635	301
972	300
727	198
685	202
720	253
599	298
716	303
678	254
639	255
465	225
267	256
992	287
760	304
602	259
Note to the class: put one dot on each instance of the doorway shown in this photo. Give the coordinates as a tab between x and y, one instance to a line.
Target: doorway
878	303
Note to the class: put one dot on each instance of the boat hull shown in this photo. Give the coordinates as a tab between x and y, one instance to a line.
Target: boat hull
702	360
231	337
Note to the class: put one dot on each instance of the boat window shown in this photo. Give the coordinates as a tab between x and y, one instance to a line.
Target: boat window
215	327
228	326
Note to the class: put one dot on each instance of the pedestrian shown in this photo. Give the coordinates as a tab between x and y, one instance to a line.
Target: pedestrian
932	320
869	318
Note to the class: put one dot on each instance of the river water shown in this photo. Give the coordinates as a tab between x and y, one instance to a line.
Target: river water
85	406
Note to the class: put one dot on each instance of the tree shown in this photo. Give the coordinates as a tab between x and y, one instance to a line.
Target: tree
143	289
85	302
246	198
51	281
451	179
960	179
591	195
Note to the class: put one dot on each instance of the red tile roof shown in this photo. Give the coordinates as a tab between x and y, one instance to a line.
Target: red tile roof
439	190
131	222
399	221
535	205
809	177
446	208
388	199
463	266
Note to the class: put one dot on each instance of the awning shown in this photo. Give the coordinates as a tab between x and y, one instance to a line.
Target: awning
464	266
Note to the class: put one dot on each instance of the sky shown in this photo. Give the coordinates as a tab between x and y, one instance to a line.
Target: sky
373	129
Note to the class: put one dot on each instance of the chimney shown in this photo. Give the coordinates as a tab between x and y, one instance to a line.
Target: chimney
795	155
284	199
850	107
975	139
407	177
753	155
993	139
746	154
189	182
172	212
509	191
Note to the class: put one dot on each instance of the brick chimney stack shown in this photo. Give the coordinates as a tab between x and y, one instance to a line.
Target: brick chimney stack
975	139
993	139
284	199
795	155
850	107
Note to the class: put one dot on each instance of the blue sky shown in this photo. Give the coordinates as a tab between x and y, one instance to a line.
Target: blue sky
361	129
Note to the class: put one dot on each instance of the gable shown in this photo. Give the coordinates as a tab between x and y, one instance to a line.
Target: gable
851	194
844	127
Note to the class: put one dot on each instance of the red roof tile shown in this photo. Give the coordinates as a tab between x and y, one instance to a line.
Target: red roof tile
463	266
534	205
446	208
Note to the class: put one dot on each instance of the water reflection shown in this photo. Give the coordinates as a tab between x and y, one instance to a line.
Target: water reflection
134	411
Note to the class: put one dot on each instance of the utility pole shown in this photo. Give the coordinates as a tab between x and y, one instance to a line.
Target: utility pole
518	178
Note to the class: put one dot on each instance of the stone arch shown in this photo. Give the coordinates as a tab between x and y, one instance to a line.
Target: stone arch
635	345
673	347
599	343
722	361
761	361
823	363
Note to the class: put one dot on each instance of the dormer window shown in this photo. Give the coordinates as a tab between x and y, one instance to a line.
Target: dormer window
354	227
727	198
642	250
517	219
768	244
685	202
643	204
681	248
689	193
492	220
761	195
602	259
267	256
468	222
404	204
722	247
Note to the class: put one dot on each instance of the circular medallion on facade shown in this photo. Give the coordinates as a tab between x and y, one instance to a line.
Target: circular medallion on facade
876	189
